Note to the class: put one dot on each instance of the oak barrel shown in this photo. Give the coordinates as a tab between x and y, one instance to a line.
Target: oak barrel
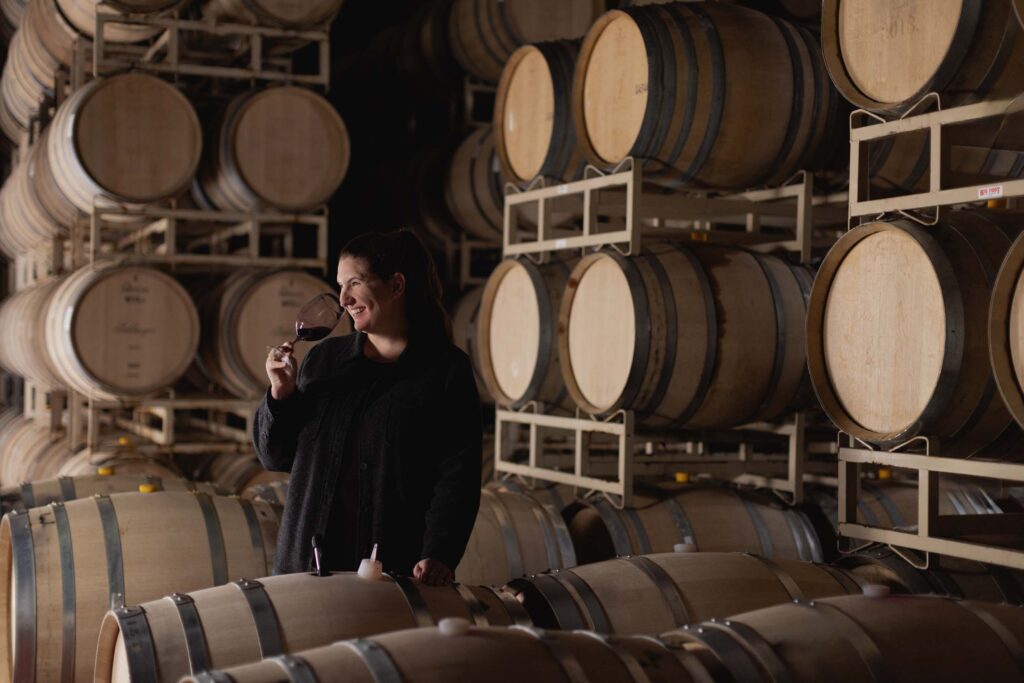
893	503
514	535
1006	330
699	337
62	565
305	611
29	451
516	332
843	639
897	332
651	594
82	15
533	128
115	331
943	575
284	13
484	33
119	462
64	488
475	653
473	186
712	518
678	86
237	472
885	56
22	329
283	146
858	638
464	332
245	314
130	138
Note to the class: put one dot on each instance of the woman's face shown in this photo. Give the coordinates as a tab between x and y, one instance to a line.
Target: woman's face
375	305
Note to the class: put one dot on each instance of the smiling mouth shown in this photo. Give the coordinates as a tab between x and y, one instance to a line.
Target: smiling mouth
356	311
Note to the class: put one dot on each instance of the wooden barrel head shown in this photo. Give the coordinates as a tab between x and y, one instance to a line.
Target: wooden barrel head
134	329
265	316
893	49
527	111
291	147
138	137
615	73
513	330
885	331
599	319
534	21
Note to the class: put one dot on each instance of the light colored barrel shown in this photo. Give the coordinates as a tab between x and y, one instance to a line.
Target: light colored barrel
514	535
464	324
711	518
29	451
62	489
283	146
677	86
306	611
119	462
557	496
498	655
82	15
237	472
897	332
473	189
533	128
696	337
517	332
893	503
27	219
844	639
62	565
22	329
858	638
43	43
651	594
885	56
13	12
484	33
121	331
129	138
284	13
940	575
1006	330
247	313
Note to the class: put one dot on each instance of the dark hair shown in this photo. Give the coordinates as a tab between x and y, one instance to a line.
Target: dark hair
402	251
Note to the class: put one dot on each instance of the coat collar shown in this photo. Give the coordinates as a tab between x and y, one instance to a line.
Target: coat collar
336	357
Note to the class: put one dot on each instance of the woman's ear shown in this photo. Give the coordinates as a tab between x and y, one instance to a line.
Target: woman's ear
398	284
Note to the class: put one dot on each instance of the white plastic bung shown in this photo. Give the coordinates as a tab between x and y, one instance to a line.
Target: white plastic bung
875	590
453	626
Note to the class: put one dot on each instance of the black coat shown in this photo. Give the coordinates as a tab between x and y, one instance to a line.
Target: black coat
418	443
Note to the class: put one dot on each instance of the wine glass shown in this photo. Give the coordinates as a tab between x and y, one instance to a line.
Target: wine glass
316	319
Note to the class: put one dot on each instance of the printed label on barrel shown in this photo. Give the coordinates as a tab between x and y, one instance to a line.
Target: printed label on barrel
135	329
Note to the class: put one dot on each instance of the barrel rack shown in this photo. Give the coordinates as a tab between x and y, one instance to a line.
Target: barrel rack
935	533
167	235
617	212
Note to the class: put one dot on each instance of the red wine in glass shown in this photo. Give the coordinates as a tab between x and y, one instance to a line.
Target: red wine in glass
318	318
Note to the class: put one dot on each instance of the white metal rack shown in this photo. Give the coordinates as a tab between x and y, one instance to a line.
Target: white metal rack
935	533
616	210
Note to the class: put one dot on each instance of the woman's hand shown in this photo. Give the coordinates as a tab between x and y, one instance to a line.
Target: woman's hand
432	573
281	371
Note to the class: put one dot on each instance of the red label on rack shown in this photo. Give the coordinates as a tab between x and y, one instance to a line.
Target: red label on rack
990	192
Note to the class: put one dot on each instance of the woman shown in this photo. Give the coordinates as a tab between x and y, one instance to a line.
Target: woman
380	429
